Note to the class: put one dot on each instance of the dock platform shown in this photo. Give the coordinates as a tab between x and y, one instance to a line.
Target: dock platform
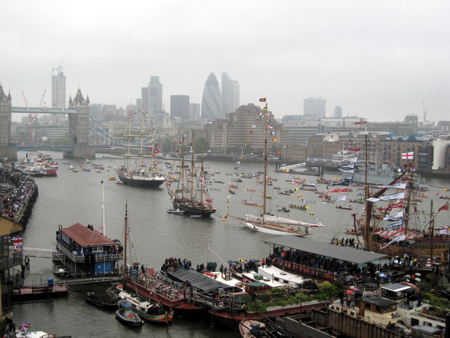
30	293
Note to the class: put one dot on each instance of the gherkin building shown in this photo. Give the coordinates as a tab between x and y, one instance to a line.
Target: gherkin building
212	100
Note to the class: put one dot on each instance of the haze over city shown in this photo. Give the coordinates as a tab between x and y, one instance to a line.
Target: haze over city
378	60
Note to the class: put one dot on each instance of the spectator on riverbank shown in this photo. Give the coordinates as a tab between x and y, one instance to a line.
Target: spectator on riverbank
15	191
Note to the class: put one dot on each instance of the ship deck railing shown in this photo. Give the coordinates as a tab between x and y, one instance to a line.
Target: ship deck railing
82	258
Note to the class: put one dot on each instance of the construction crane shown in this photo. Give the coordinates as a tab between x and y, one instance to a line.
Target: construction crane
32	118
42	98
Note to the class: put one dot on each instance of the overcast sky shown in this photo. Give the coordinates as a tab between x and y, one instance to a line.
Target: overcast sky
378	59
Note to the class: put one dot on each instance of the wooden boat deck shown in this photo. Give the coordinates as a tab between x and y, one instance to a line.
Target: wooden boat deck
149	287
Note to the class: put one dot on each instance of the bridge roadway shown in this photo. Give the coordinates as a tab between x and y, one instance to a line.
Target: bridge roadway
44	110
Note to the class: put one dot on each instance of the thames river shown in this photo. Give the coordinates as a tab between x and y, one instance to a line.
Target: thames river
77	197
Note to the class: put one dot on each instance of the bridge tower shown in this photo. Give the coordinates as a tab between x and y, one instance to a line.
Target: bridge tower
7	150
79	129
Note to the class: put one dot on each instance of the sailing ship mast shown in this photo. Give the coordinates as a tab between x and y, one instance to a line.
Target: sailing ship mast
368	205
103	210
431	229
201	180
125	246
129	141
182	172
265	109
192	169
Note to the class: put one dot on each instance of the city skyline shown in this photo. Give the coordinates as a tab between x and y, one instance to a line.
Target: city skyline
373	60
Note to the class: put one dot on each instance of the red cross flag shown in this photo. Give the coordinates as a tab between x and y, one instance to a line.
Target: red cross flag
408	156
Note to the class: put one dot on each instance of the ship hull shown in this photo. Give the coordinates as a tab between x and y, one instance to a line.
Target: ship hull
155	183
420	248
256	227
190	209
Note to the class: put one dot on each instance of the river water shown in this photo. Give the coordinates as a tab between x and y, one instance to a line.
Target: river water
156	235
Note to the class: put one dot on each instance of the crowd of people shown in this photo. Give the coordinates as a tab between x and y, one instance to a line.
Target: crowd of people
15	191
175	263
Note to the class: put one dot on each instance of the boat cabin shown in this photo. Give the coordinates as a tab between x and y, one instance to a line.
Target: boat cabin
256	287
377	309
397	290
84	251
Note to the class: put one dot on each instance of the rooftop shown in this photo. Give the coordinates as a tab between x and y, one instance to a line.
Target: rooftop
397	287
328	250
379	301
198	280
85	236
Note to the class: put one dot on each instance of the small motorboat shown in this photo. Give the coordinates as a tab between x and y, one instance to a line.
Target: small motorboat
100	300
150	311
175	211
58	270
127	316
283	209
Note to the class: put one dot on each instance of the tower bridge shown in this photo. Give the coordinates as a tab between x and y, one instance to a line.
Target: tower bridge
79	122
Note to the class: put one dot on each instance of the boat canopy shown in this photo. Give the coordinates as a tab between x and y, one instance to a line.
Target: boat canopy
200	281
347	254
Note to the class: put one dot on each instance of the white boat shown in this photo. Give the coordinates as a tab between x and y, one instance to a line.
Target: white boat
175	211
265	229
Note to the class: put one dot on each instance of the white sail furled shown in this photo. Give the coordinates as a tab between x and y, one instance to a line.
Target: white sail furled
398	196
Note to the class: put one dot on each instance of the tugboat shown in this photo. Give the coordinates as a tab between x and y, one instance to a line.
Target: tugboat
150	311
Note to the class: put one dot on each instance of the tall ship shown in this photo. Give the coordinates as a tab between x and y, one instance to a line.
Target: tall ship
267	222
137	171
190	195
399	227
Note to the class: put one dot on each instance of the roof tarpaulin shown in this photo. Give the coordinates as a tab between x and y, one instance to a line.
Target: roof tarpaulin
198	280
347	254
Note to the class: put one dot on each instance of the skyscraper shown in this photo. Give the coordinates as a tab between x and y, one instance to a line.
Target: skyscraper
212	100
58	88
155	94
337	113
152	96
194	111
230	94
58	94
314	107
179	107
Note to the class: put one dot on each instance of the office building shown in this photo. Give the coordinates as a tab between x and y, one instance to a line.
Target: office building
314	108
179	107
58	94
152	96
243	132
212	99
58	88
194	111
337	113
230	94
